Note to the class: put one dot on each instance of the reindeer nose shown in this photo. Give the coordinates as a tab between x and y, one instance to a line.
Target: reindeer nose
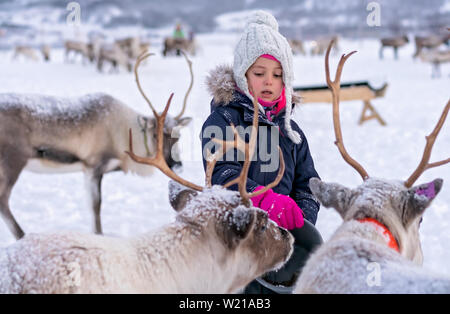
283	232
175	165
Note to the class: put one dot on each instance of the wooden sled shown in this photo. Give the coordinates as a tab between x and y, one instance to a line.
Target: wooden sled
349	91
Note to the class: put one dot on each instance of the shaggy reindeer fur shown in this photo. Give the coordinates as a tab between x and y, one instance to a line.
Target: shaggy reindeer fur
90	134
357	259
216	245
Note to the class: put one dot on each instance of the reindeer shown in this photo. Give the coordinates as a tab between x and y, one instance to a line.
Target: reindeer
31	53
77	48
430	42
297	46
133	46
178	45
319	46
45	50
26	51
93	48
394	42
116	56
89	134
380	227
436	58
236	242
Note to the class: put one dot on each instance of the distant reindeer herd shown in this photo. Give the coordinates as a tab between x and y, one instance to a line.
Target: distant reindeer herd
122	53
427	49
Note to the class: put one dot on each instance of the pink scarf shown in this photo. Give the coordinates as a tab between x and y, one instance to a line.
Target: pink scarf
275	106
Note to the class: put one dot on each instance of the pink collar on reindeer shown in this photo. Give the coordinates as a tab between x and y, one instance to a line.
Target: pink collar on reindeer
392	242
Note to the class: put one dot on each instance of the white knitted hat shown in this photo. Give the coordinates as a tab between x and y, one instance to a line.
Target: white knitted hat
260	37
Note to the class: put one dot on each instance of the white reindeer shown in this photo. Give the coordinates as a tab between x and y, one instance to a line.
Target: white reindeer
77	48
26	51
217	244
377	248
50	134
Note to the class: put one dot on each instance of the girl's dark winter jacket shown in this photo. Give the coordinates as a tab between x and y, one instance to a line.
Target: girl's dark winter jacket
231	107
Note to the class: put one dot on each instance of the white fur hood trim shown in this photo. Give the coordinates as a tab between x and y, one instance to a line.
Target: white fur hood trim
221	85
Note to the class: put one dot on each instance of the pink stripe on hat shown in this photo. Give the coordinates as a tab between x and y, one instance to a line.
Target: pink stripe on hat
267	56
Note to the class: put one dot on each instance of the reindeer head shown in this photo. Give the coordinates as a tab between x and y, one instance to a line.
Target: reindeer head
395	204
244	232
392	204
170	137
170	126
243	235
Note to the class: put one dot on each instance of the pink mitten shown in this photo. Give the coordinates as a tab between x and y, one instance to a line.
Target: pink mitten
281	208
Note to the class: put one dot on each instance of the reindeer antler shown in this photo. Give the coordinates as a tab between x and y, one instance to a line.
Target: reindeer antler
430	139
144	55
249	149
159	161
335	87
189	62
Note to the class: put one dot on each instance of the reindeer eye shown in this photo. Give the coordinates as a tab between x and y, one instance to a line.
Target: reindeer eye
263	228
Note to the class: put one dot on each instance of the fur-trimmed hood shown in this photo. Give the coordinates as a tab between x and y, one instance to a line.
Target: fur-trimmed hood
222	86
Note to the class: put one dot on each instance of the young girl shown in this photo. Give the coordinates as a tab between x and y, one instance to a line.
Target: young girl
263	69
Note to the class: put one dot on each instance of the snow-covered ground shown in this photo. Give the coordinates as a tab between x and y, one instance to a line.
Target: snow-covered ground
132	205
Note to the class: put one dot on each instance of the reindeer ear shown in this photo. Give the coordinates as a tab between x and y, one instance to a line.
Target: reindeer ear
331	194
146	123
180	123
238	224
183	121
179	195
419	198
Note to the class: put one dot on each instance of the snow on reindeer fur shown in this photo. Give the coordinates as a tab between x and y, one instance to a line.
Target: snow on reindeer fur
214	225
46	107
360	247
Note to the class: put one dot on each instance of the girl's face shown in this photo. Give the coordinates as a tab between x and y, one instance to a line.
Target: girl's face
265	79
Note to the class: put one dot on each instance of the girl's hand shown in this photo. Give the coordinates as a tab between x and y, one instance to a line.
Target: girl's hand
281	208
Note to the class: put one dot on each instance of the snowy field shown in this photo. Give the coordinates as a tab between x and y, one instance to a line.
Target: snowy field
132	205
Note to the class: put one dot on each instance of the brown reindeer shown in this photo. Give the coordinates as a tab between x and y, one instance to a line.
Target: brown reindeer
177	45
380	228
297	46
51	134
133	46
114	55
319	45
429	42
394	42
75	48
